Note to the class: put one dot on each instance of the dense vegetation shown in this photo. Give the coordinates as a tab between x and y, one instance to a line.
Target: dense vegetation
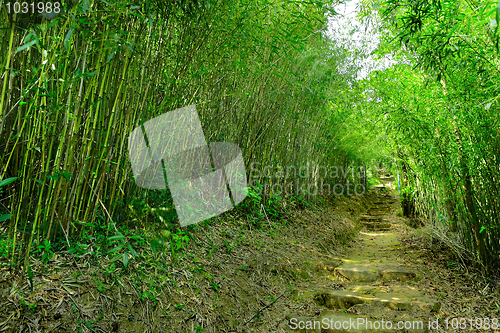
440	113
262	75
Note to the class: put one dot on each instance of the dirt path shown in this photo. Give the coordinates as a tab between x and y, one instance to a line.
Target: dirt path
236	276
379	288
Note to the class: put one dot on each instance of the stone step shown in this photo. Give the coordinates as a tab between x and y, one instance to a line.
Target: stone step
368	218
382	201
397	274
377	212
372	272
379	226
345	299
380	206
387	202
355	273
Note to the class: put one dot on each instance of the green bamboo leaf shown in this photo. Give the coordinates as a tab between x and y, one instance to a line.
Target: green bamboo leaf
125	259
55	177
28	37
8	181
131	249
52	23
89	74
67	38
115	258
117	237
66	175
451	33
25	46
136	237
117	248
5	217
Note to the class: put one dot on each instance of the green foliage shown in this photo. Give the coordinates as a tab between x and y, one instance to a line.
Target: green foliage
261	73
3	183
45	251
122	248
148	295
439	110
78	249
409	191
300	202
5	246
7	181
273	206
179	241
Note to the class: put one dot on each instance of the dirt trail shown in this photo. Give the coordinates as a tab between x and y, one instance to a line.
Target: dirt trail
305	270
379	288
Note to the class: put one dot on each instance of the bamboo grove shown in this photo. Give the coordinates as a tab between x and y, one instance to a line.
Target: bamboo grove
262	75
440	115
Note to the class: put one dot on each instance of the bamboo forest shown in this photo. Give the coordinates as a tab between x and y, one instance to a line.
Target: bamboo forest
249	166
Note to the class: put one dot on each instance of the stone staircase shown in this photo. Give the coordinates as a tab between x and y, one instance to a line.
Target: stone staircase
379	290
